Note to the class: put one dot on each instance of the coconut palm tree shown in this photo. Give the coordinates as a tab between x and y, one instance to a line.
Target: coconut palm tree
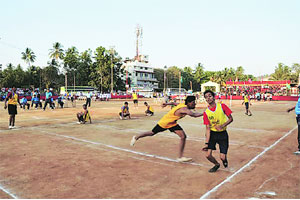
28	56
57	52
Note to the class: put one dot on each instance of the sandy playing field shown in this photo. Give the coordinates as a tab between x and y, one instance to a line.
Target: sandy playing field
50	156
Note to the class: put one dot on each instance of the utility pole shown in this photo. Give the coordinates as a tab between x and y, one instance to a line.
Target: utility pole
165	67
180	86
112	52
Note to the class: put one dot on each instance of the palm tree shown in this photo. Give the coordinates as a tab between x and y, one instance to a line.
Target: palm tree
28	56
57	52
282	72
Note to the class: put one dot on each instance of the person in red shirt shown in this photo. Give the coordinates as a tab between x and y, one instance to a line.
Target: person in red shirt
216	117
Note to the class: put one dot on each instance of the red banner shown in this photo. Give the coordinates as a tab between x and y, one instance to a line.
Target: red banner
257	83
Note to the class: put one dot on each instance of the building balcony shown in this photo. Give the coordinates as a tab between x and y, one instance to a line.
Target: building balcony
146	79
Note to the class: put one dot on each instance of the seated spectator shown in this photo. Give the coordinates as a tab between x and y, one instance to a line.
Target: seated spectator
60	101
24	103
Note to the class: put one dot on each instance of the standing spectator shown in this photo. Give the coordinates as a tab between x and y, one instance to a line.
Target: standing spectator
40	101
48	99
88	99
12	99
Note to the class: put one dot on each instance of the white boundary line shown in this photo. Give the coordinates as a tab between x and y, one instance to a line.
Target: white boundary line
247	165
130	151
8	192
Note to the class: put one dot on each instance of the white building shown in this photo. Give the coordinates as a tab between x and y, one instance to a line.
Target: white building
141	75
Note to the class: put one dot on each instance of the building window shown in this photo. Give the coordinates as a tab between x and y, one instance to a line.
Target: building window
136	74
141	67
146	75
146	68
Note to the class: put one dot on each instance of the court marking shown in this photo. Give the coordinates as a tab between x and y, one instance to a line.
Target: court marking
206	195
8	192
130	151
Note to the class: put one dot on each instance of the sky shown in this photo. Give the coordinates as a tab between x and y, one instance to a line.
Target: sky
254	34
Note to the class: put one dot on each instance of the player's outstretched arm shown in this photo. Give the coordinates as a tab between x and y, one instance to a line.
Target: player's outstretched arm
169	104
290	109
191	113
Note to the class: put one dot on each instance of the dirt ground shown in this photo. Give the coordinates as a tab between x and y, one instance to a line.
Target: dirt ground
50	156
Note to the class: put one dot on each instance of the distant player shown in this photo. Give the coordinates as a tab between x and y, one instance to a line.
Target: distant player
135	99
125	111
84	116
216	117
13	99
169	121
247	102
149	111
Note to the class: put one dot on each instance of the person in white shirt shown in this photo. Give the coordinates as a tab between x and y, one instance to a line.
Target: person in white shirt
88	99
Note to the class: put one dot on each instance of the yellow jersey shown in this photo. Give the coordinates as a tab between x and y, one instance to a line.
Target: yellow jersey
246	100
151	109
124	109
134	96
170	119
87	116
14	99
217	117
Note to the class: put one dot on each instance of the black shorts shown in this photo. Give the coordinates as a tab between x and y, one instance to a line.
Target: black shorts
149	112
81	118
135	101
158	128
247	105
221	138
124	115
12	109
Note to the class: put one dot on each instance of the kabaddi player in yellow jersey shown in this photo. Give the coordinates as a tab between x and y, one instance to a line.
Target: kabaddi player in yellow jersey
216	117
149	111
84	116
169	121
247	102
12	99
135	99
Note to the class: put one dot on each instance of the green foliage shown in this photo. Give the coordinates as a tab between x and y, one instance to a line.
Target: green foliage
282	72
28	56
94	69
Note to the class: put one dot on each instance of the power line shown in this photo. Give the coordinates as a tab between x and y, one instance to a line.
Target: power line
16	47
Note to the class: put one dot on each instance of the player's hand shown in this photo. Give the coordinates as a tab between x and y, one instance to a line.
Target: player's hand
205	148
5	106
163	105
219	127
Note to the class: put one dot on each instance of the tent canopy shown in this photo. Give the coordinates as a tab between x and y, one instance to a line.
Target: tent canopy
210	84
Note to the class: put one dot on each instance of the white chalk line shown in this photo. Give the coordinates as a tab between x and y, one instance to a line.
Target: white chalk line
196	139
246	165
8	192
130	151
